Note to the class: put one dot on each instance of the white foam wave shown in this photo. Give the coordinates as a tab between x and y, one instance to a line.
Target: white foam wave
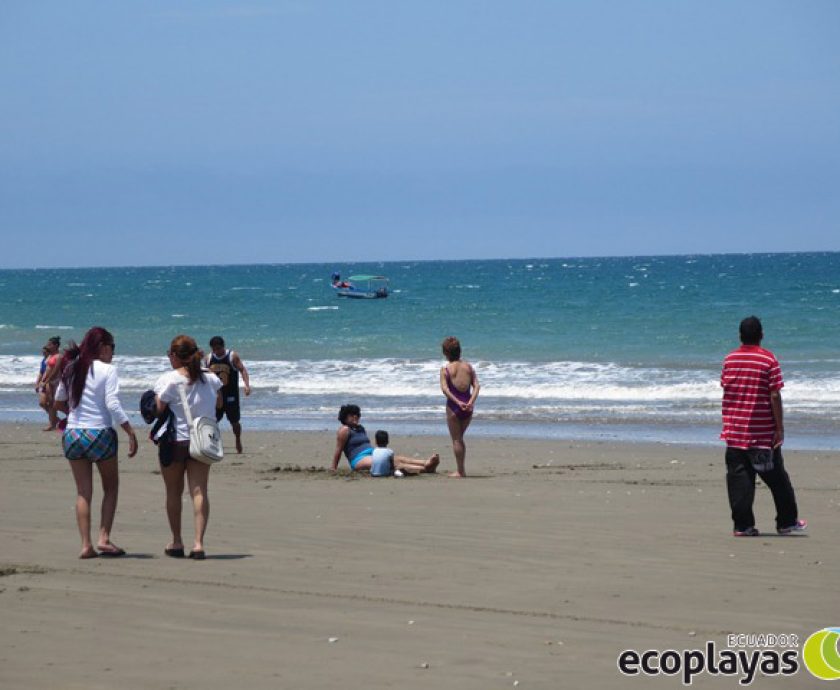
53	328
321	308
545	388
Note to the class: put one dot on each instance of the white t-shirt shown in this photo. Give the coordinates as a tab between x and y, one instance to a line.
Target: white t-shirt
100	405
201	398
382	463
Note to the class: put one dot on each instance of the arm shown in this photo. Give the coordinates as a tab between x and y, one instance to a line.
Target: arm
160	406
112	402
51	372
237	362
340	441
444	387
476	387
778	416
60	399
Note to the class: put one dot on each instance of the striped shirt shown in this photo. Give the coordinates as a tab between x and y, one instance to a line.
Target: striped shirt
749	375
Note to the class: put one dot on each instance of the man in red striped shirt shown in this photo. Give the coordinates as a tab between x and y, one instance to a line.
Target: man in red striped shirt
754	431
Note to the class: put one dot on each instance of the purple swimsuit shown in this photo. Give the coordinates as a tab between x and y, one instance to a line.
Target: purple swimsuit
463	396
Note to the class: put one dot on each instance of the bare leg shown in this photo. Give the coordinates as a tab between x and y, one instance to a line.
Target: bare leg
237	433
109	473
414	466
46	404
457	428
198	474
53	416
173	480
83	475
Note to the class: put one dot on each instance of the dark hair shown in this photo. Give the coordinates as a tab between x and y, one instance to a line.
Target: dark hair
751	331
75	364
346	411
185	349
381	438
217	340
55	340
451	348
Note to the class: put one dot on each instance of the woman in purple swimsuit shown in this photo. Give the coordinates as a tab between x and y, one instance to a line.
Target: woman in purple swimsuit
459	384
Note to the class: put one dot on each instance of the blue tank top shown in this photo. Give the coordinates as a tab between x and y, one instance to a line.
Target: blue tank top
357	441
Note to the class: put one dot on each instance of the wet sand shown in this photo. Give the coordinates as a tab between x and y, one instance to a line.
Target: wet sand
540	569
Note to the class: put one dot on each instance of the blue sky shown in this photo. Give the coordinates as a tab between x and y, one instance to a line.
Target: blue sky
136	133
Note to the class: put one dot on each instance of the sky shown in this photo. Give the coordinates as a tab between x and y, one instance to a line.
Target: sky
196	132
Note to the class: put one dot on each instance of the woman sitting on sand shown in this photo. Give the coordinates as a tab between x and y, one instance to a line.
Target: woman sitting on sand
87	392
201	387
459	384
353	441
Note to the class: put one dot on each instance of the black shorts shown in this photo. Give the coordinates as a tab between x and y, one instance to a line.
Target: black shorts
230	409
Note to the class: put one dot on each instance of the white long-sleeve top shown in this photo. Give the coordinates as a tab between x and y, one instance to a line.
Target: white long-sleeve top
100	405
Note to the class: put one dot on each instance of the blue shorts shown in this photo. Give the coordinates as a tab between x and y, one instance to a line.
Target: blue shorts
89	444
366	453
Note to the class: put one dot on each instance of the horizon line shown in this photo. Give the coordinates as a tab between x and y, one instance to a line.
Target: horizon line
418	261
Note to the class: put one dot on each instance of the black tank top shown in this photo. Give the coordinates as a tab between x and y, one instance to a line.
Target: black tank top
227	373
357	441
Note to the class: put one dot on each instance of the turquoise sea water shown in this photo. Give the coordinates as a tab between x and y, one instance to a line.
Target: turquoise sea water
606	348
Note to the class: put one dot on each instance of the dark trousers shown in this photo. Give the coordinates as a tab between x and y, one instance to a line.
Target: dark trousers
740	483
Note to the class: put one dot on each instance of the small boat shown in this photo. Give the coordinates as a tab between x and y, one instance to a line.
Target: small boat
360	287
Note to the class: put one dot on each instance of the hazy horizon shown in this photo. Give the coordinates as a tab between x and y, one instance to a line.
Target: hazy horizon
216	132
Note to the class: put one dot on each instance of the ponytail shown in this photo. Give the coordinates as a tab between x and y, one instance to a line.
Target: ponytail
187	352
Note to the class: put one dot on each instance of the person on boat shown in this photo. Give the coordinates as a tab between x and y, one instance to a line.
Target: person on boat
459	383
353	441
337	282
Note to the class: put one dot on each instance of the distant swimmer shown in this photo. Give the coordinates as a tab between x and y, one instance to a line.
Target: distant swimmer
227	365
459	383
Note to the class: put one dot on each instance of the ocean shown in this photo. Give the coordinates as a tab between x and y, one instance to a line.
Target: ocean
578	348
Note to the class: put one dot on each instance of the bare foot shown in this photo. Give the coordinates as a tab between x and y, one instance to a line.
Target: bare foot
48	428
238	445
88	552
456	475
433	462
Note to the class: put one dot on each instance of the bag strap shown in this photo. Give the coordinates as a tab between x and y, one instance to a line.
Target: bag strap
182	389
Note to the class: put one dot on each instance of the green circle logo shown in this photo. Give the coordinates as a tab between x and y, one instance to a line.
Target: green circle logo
820	654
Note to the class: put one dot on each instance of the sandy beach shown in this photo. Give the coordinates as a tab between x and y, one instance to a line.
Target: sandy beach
537	572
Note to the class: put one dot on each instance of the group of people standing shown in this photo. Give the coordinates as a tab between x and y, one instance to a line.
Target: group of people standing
83	384
88	393
86	390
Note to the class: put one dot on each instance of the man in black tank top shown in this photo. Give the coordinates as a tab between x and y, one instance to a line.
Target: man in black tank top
227	365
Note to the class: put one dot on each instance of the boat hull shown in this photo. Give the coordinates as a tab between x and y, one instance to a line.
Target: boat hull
360	294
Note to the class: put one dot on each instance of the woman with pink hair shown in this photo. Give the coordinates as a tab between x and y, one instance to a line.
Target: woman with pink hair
88	393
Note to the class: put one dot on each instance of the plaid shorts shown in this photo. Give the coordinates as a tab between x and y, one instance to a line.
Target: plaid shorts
91	444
